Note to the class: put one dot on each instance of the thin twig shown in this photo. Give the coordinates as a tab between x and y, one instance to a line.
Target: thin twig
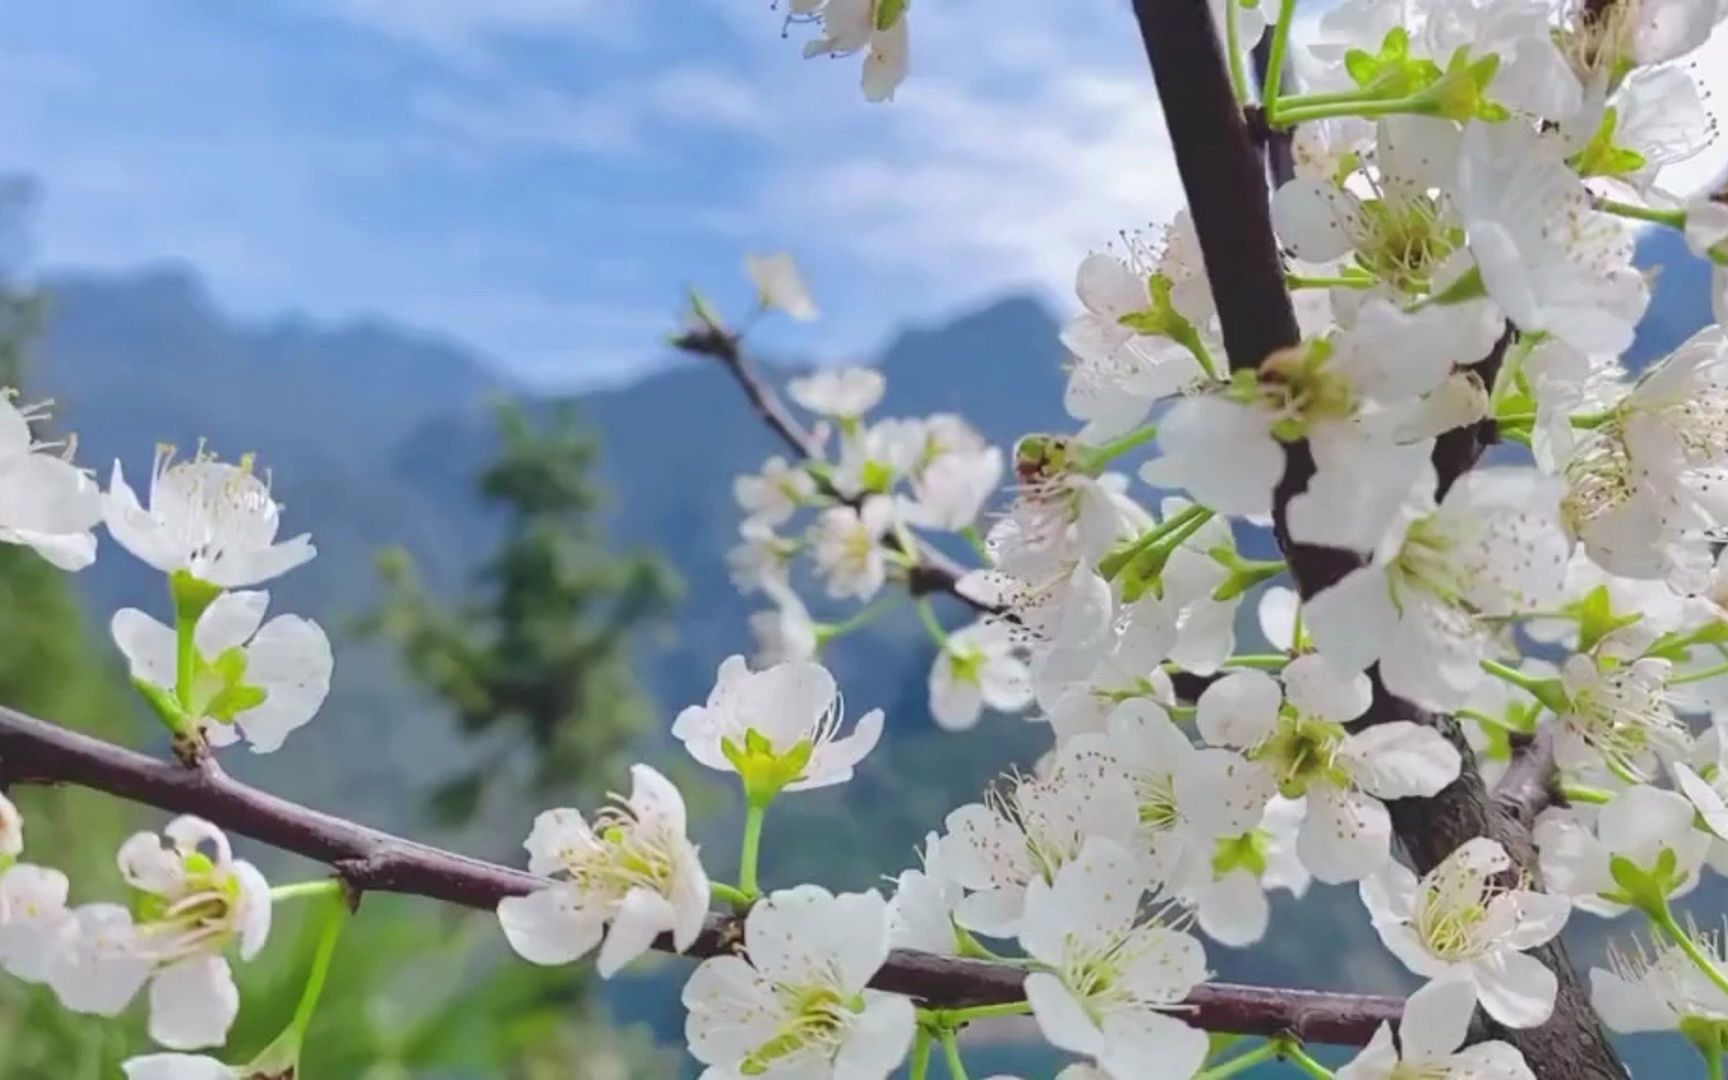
935	572
34	751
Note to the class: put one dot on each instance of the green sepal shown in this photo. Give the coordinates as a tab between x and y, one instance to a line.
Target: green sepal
762	772
1646	889
1245	852
1596	618
888	12
1600	157
192	596
163	704
1244	573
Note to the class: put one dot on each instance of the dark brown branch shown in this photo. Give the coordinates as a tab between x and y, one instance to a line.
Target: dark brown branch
33	751
1531	783
722	345
1224	180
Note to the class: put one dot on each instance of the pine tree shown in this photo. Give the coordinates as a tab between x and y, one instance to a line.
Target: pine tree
539	659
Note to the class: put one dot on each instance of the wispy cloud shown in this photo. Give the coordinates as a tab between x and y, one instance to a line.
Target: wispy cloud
466	31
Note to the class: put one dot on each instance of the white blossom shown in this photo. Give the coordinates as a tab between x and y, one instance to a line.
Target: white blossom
1435	1025
975	668
1121	366
797	1005
780	285
1294	742
633	870
1424	607
785	631
33	919
788	716
196	900
1635	825
1113	971
250	678
775	494
847	546
844	393
46	503
1181	790
849	26
1460	921
1548	258
1658	987
1618	715
921	914
1028	828
213	520
178	1067
952	490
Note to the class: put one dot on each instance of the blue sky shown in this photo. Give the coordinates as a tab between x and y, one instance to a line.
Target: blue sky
540	178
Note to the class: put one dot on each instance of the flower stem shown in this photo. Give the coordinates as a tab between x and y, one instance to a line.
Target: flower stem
927	615
1300	281
282	1056
751	850
1292	1051
1101	456
1699	676
1664	920
862	616
1579	793
1674	219
1262	661
971	535
727	894
1233	52
1112	564
1549	692
1275	58
951	1054
921	1046
986	1012
1419	104
334	921
1241	1063
302	889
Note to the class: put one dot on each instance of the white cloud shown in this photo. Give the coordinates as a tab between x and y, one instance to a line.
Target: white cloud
466	31
622	117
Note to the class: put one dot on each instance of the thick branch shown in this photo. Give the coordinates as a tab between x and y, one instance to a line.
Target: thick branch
35	752
1223	177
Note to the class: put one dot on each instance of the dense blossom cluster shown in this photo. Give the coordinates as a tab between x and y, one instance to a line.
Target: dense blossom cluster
1458	238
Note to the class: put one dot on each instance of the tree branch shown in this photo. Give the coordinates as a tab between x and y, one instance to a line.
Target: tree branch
33	751
1225	184
935	572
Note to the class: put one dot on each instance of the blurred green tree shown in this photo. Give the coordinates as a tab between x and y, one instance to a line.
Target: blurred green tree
537	663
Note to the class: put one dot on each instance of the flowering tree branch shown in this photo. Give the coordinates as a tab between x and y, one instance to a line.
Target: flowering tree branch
1224	179
33	751
934	572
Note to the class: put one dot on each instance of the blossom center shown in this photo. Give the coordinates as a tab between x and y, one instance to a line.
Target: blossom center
816	1019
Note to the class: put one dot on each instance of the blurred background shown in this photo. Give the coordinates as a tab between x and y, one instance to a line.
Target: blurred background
421	258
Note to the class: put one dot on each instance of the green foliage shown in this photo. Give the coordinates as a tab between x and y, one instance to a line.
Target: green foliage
542	650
